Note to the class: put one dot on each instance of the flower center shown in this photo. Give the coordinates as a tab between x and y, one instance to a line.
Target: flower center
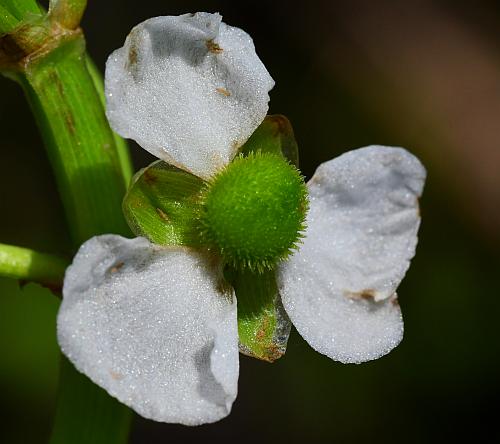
254	211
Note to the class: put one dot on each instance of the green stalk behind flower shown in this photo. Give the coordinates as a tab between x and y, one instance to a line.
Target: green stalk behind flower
92	170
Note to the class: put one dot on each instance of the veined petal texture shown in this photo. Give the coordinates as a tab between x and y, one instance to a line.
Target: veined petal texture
189	89
339	288
151	326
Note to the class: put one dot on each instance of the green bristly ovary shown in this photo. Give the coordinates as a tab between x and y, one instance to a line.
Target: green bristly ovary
253	211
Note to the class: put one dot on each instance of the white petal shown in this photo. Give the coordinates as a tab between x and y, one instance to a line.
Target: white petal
188	89
339	288
149	325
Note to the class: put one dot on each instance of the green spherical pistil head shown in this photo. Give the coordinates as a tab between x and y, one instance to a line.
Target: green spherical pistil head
254	211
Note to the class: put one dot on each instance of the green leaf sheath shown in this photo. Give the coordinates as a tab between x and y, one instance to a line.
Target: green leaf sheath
92	172
25	264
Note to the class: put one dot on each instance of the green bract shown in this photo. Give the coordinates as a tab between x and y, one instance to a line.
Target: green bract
253	211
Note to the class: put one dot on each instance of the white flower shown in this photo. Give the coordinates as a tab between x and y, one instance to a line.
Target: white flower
149	323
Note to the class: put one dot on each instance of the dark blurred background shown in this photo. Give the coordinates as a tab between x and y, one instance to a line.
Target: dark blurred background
420	74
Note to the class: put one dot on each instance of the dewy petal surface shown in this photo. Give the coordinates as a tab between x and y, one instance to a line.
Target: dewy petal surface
150	326
189	89
339	288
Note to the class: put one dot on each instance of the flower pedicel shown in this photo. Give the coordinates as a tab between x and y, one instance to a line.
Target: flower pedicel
156	326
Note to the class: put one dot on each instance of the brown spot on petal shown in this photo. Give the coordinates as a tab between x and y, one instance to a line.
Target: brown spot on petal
116	267
213	47
367	295
132	56
223	91
116	376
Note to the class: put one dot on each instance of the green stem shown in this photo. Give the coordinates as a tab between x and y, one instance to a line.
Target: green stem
8	21
21	8
91	171
121	144
29	265
67	13
79	142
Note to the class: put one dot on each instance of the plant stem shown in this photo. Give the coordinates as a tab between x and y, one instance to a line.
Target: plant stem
21	8
79	142
25	264
92	172
67	13
121	145
8	21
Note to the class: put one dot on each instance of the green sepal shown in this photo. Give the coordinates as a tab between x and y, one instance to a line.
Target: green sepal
162	204
263	325
274	135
